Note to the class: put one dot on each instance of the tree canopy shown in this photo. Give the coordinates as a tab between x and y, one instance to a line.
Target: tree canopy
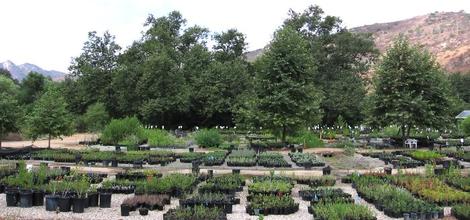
410	90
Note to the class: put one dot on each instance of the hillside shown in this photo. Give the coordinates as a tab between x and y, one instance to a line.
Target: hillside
444	34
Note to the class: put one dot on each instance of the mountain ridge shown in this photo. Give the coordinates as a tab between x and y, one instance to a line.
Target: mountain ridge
19	72
445	34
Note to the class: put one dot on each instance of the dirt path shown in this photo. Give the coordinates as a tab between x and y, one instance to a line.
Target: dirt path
66	142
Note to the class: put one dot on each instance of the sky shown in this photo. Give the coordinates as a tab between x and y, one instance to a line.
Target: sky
49	33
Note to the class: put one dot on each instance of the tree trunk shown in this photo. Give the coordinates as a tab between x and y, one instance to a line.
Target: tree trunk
49	142
403	135
0	143
283	135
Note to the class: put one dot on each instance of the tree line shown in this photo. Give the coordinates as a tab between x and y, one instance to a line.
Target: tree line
313	72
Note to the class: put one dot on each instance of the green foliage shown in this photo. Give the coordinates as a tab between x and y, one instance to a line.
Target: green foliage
127	129
286	97
465	126
339	211
9	116
461	211
160	138
425	155
49	116
208	138
308	139
96	117
339	68
92	72
410	90
32	87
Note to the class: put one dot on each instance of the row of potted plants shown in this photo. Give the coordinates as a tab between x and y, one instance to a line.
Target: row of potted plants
327	180
431	189
245	158
172	184
215	158
271	205
339	211
394	201
145	202
227	184
459	182
195	213
396	160
318	194
211	200
425	155
272	159
461	211
306	160
271	187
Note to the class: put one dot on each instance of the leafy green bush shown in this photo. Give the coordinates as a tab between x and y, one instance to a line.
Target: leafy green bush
466	126
128	129
208	138
309	139
425	155
160	138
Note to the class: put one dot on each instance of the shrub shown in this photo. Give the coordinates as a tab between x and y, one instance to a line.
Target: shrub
309	139
425	155
160	138
127	129
208	138
466	126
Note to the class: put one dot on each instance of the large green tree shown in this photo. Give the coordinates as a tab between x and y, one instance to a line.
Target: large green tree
342	59
286	95
410	90
93	71
460	84
49	116
8	107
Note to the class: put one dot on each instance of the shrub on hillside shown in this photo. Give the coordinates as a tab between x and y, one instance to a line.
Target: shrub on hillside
208	138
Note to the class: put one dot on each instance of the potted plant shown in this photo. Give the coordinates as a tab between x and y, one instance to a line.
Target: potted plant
52	199
26	182
41	178
105	195
92	195
327	170
143	211
64	201
125	209
81	187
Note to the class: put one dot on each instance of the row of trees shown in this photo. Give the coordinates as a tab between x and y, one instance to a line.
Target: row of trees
314	71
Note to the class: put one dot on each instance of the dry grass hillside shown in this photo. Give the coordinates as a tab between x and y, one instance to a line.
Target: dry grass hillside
444	34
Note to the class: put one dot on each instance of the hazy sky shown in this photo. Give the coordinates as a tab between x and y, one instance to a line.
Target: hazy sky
49	32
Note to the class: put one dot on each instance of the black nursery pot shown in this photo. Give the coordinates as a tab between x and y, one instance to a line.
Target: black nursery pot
65	204
26	198
236	171
105	199
38	198
125	209
78	205
143	211
114	163
12	197
51	202
93	199
327	170
191	149
388	170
